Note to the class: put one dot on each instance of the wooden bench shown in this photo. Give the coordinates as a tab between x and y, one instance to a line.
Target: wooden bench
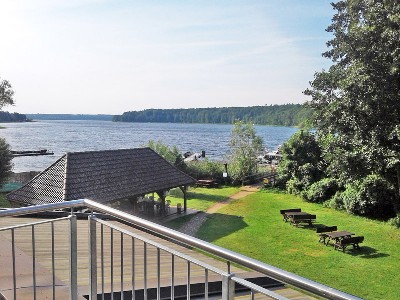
297	219
284	211
322	230
343	243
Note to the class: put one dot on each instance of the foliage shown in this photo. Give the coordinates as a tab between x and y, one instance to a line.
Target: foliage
12	117
206	169
356	102
171	154
284	115
301	162
246	145
321	190
369	197
5	161
4	203
297	250
6	93
395	221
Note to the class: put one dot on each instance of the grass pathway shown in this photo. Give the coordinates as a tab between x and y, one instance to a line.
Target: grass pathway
195	223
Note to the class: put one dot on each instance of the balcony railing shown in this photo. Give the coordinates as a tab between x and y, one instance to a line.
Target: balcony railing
128	255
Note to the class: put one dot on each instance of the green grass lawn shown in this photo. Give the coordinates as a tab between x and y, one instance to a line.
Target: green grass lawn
202	198
371	273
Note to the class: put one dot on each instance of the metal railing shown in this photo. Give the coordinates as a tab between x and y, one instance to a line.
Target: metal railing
97	275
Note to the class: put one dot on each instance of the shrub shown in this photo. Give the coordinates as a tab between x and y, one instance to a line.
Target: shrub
336	201
294	186
206	169
320	191
395	221
5	161
369	197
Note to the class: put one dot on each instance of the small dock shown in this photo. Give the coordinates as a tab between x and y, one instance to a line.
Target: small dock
32	153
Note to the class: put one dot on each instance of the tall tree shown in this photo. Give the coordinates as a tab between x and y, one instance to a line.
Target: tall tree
357	101
6	93
246	145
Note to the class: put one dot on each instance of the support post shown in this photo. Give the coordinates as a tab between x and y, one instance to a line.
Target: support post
184	191
92	258
228	288
73	258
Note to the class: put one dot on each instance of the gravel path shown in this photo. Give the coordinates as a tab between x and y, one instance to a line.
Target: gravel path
195	223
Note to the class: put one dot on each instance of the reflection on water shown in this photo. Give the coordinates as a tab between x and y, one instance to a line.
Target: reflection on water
71	136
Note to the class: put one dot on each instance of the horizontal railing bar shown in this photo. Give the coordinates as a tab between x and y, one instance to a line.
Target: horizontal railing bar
258	288
41	208
276	273
163	247
34	223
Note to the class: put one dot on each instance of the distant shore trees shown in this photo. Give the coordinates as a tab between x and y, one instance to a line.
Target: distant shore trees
356	111
280	115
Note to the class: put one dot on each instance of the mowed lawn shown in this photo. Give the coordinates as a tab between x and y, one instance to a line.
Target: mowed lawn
202	198
253	226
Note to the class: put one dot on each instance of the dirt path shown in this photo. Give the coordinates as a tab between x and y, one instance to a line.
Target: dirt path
195	223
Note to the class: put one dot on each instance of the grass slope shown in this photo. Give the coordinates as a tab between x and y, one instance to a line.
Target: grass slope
202	198
253	226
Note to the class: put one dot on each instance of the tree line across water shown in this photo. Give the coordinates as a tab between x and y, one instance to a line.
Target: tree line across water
283	115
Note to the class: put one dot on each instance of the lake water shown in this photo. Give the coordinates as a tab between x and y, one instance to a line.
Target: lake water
71	136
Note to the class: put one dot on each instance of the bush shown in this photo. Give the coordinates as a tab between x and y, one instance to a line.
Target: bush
206	169
5	161
395	221
336	201
369	197
320	191
294	186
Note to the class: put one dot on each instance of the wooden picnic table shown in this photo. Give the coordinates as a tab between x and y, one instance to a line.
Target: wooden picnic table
296	217
337	235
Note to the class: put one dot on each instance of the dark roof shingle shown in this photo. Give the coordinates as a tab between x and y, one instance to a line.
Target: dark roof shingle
102	176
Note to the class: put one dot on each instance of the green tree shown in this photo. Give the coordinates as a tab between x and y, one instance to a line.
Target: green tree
357	101
5	161
301	163
6	93
246	145
171	154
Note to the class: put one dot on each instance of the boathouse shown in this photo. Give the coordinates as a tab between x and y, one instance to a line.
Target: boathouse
103	176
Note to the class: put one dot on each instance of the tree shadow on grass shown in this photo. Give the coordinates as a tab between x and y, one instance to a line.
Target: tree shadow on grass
220	225
366	252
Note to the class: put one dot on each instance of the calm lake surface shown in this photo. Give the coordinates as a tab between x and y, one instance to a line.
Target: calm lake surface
71	136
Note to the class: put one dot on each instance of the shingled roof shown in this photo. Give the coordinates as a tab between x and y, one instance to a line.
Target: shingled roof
101	176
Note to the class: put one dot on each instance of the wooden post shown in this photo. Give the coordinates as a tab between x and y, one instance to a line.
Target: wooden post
184	190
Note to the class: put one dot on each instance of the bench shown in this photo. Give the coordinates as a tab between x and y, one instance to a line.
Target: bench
297	219
354	241
322	230
283	211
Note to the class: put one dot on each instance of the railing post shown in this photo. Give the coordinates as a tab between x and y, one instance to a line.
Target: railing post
228	287
73	258
92	258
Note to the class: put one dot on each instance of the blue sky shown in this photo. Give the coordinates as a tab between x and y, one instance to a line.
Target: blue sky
108	57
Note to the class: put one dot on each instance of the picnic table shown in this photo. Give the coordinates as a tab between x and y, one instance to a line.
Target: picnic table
297	217
337	236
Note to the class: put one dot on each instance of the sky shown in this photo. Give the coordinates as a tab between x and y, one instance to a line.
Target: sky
112	56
